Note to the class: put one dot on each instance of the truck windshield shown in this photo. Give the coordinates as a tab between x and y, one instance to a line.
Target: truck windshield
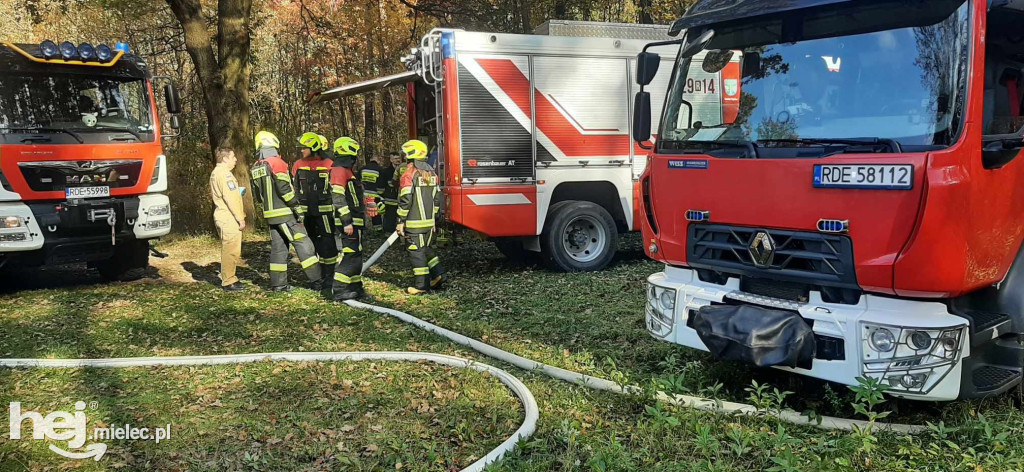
881	72
77	104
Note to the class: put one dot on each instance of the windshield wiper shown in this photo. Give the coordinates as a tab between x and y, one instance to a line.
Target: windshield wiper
890	143
112	128
749	146
45	129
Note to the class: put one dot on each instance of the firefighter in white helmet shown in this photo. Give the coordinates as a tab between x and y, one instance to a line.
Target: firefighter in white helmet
273	190
419	200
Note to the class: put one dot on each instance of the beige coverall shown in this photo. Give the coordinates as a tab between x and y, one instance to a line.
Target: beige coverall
228	214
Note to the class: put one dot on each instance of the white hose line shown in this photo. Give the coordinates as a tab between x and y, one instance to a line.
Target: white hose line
597	383
517	387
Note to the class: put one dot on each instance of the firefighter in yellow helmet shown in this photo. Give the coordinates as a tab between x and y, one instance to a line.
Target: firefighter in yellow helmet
349	209
273	191
311	174
419	200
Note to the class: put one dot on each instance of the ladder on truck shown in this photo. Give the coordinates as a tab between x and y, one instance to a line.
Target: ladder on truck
431	70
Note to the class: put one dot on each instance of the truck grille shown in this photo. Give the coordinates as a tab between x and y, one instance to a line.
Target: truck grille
804	257
50	176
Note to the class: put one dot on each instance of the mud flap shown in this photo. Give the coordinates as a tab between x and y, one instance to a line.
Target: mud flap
755	335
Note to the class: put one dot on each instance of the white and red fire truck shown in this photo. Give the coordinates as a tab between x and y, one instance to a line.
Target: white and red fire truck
532	132
82	170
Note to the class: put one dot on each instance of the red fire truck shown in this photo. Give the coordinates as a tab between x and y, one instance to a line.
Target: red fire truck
82	169
863	215
532	132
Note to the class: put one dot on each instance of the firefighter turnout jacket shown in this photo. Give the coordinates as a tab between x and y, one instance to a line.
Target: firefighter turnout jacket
273	190
312	185
419	198
347	197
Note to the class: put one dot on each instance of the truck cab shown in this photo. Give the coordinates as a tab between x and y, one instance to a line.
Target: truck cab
82	169
863	214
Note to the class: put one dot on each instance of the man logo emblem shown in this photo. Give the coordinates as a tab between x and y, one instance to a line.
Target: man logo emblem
762	250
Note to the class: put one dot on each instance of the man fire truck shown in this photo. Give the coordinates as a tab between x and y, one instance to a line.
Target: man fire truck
82	170
533	132
863	215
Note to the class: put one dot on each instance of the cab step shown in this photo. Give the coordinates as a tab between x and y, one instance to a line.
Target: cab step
986	326
993	380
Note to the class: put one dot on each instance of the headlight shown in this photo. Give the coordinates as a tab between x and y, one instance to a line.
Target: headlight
49	49
882	340
159	224
103	53
86	52
12	222
920	340
67	50
668	299
909	359
160	210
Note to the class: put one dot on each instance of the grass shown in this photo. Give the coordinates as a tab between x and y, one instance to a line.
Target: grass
378	416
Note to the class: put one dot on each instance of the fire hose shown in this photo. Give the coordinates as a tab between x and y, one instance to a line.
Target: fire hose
517	387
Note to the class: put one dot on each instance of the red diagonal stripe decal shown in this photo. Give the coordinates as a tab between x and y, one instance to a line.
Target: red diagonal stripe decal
549	121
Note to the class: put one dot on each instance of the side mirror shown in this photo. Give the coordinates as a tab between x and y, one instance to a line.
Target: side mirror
642	118
175	123
647	64
698	44
171	97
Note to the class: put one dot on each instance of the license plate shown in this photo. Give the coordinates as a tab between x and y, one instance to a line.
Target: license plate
874	176
88	192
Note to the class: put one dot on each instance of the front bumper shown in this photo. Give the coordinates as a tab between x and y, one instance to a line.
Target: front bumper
53	233
844	333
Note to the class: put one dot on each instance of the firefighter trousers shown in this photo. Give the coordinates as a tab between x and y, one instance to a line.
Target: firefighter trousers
281	236
348	281
425	264
321	231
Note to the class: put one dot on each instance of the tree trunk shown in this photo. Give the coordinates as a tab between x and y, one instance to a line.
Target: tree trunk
645	12
224	76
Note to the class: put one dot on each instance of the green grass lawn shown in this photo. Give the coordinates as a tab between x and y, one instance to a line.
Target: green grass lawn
381	416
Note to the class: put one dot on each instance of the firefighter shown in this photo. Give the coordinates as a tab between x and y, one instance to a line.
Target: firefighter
419	200
373	179
350	205
273	191
311	175
393	173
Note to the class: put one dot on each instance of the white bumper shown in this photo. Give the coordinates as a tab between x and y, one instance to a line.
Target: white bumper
26	236
154	216
936	368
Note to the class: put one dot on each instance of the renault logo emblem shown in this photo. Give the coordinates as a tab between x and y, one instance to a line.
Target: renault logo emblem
762	250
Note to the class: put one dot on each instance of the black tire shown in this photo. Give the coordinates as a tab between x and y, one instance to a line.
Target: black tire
515	252
128	257
595	237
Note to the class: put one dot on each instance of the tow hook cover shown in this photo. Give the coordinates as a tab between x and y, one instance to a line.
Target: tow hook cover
756	335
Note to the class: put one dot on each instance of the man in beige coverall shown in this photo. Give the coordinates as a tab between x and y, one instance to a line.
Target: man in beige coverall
229	216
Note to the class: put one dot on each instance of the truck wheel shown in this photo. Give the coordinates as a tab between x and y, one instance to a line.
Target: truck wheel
129	256
513	250
579	237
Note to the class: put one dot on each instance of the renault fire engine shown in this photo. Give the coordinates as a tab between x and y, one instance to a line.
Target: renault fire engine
532	132
863	215
82	169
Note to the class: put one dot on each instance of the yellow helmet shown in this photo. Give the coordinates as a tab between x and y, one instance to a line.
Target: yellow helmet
311	141
346	146
415	149
266	139
324	144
